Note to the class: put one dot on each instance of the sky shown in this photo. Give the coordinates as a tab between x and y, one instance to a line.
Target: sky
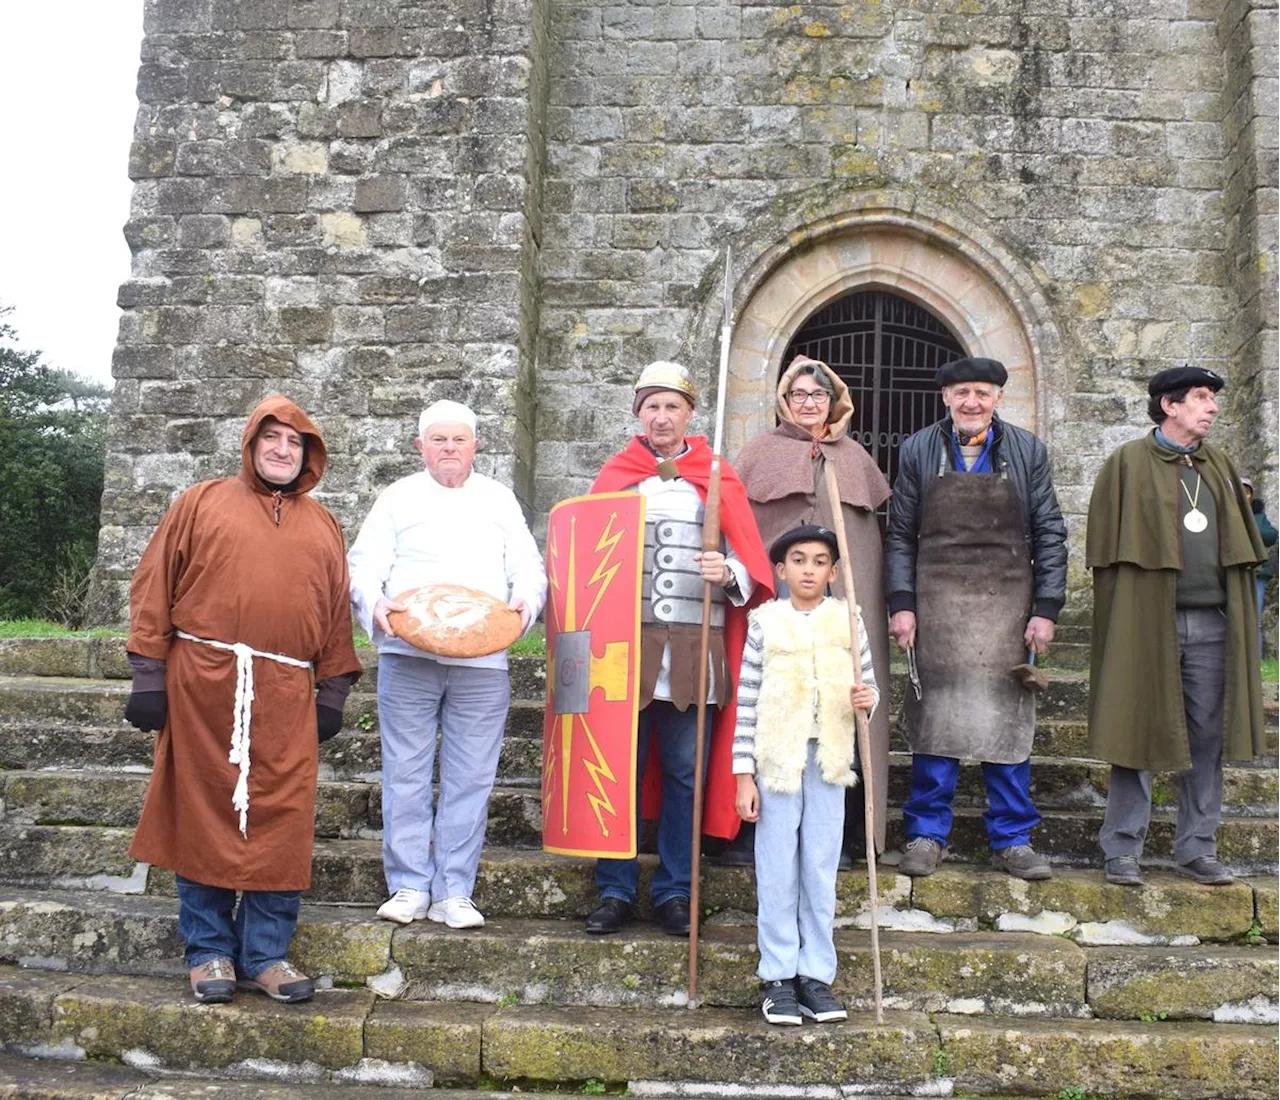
67	104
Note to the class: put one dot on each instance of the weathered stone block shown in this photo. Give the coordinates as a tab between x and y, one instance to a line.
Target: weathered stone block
26	1006
380	193
1231	983
444	1038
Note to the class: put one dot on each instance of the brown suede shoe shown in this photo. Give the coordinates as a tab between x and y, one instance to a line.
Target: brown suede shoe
281	982
214	982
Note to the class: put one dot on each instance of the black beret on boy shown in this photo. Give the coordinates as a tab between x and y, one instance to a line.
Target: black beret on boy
809	532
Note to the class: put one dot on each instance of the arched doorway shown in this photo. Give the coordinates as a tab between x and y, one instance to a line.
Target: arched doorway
887	349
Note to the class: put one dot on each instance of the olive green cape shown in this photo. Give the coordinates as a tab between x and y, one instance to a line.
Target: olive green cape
1133	546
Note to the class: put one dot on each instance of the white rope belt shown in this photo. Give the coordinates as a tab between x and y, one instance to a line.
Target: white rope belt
243	710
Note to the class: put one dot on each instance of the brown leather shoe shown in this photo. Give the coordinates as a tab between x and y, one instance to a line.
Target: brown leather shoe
214	982
281	982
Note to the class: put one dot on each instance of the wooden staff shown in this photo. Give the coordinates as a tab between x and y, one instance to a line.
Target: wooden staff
710	541
864	730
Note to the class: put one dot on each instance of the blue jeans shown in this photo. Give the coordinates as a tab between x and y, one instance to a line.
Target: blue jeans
256	937
1010	815
674	732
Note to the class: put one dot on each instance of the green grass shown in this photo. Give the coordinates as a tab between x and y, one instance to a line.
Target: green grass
41	628
1270	669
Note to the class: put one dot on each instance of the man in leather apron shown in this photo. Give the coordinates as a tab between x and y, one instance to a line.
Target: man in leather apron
976	569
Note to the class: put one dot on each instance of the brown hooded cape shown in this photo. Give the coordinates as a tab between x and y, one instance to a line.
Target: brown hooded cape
784	472
234	562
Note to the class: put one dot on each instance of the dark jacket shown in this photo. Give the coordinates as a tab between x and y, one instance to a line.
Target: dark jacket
1270	535
1023	459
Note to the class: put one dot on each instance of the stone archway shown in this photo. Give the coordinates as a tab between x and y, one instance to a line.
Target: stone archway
960	279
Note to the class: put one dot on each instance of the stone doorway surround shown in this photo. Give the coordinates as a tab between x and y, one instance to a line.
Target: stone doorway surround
906	245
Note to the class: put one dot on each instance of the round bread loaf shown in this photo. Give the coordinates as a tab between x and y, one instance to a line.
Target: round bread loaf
451	620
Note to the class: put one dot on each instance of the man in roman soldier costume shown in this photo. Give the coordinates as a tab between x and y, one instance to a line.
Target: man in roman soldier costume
672	473
976	571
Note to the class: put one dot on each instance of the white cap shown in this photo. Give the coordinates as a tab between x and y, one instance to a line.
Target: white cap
446	412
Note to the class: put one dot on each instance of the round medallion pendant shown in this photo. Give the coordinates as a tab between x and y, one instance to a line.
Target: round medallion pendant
1195	521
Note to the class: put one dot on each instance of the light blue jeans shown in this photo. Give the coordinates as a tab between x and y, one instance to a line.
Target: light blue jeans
797	851
437	851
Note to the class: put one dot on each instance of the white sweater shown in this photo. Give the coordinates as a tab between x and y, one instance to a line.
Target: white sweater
421	532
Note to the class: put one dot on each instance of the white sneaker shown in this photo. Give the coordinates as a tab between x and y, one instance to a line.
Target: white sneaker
457	913
405	906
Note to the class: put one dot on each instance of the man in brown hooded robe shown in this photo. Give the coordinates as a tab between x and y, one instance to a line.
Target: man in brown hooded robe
784	471
240	645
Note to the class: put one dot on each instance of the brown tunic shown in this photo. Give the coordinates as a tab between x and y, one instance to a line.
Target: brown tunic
234	562
784	472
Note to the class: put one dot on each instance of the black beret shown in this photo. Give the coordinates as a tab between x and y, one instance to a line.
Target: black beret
972	370
808	532
1177	378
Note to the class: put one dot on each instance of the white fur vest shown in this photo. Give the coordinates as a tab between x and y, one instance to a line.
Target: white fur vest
804	654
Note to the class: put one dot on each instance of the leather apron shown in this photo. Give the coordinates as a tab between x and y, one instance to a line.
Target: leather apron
974	589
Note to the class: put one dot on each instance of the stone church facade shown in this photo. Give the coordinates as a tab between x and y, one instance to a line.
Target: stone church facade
370	204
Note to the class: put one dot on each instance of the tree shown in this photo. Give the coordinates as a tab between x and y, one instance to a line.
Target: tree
52	442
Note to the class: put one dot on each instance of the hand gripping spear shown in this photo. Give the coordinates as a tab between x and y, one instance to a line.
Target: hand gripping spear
864	731
710	541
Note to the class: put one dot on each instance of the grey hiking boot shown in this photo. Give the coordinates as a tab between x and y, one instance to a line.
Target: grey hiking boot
1022	861
922	856
1207	870
1124	871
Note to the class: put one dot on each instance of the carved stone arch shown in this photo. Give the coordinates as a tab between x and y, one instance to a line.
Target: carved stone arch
944	260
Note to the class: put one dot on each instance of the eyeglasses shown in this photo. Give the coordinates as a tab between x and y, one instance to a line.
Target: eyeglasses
808	397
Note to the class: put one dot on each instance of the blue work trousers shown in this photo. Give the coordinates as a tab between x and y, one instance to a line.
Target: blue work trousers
255	936
673	733
1010	815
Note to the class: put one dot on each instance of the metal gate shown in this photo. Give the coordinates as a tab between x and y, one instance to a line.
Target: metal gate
887	349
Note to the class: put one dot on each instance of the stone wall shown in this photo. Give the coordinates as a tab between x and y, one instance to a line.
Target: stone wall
336	200
371	203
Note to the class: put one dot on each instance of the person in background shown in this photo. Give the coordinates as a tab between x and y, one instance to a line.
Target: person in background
1267	570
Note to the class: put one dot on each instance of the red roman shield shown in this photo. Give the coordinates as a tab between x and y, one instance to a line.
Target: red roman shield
595	552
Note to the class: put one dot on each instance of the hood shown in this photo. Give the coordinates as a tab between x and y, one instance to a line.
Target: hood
841	410
314	457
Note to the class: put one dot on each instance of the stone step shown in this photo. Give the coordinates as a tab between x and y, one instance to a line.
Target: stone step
354	809
518	960
113	799
514	960
533	884
154	1023
46	1079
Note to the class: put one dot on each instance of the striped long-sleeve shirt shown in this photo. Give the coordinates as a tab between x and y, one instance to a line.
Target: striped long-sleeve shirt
749	679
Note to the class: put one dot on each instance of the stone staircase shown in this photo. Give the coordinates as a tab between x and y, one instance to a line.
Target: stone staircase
1069	988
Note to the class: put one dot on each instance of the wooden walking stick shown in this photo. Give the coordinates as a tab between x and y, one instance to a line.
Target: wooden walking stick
864	730
710	541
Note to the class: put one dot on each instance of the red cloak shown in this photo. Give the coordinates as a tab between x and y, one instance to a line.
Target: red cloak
628	468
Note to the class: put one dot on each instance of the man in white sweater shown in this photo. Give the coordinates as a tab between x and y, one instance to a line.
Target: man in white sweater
446	524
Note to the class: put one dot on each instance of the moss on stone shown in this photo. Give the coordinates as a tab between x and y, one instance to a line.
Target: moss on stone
1266	899
1190	1059
26	1004
1132	983
344	949
44	656
444	1038
110	1016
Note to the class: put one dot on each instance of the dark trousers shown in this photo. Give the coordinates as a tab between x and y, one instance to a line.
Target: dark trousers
254	936
671	733
1202	649
1010	815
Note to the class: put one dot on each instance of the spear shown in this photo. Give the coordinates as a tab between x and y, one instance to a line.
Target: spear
864	731
710	541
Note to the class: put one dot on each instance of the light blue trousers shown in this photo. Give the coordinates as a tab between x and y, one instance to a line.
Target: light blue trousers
437	853
797	851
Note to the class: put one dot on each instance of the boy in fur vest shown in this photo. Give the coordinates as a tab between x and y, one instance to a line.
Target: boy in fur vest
794	753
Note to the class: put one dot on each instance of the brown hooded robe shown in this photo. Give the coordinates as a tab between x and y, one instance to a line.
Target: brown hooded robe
784	472
234	562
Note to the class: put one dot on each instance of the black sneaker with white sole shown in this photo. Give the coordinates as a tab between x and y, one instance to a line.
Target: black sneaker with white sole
818	1002
779	1005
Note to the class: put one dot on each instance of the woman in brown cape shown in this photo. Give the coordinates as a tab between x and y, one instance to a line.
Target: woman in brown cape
784	471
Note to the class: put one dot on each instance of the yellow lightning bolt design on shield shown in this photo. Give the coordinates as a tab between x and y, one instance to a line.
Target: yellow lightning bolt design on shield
605	571
597	768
